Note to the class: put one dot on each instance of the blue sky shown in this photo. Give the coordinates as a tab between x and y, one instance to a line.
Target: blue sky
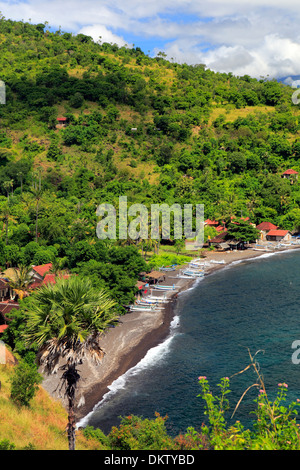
259	38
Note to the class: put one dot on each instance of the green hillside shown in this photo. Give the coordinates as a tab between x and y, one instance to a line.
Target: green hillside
150	129
232	136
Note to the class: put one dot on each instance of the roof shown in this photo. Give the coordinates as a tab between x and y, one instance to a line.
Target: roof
52	278
220	228
3	327
42	269
7	305
140	284
211	222
219	238
48	279
155	275
266	226
290	172
62	119
277	233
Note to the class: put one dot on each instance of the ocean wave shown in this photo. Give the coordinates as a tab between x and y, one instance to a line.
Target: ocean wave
152	357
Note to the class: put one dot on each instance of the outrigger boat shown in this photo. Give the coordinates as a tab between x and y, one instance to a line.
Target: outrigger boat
193	273
157	287
142	307
168	268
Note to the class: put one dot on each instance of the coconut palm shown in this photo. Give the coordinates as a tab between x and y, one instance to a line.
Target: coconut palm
66	321
21	280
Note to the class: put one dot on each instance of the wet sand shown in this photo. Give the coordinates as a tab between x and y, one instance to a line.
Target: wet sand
128	342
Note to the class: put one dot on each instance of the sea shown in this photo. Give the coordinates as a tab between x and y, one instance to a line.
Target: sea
247	308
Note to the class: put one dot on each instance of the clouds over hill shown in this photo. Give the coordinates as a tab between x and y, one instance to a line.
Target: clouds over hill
258	38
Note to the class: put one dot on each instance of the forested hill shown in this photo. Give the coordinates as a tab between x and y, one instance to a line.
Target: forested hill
151	129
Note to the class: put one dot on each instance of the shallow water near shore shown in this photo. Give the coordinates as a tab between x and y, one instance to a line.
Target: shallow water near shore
255	305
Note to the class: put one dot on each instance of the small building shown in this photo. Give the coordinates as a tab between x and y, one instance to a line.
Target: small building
154	277
39	272
236	244
279	236
219	241
290	174
264	228
61	122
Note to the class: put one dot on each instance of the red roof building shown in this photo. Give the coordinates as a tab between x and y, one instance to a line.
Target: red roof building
266	226
212	223
48	279
290	172
41	270
279	235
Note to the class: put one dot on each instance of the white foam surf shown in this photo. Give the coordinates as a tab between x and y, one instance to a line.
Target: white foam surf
152	357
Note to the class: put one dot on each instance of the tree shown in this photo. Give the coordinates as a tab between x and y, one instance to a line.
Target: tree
242	230
66	320
24	383
21	280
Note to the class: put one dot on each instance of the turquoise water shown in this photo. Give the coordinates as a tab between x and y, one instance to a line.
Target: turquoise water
255	305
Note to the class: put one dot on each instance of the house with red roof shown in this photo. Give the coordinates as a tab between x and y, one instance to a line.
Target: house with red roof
290	174
39	272
211	223
264	228
279	236
61	122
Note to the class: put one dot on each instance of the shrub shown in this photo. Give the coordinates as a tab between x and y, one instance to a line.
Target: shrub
24	383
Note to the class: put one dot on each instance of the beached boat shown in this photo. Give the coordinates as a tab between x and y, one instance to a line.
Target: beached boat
168	268
142	307
147	302
160	287
193	273
199	264
153	300
221	261
158	299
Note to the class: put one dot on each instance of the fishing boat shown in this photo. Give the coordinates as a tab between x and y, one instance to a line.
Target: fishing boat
221	261
157	299
142	307
193	273
168	268
146	302
160	287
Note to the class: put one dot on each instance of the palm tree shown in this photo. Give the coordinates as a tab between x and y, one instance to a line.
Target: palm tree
66	321
21	280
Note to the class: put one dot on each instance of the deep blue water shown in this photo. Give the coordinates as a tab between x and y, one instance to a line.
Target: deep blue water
255	305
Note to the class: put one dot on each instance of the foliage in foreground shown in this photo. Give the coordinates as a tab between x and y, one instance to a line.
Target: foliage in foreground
275	426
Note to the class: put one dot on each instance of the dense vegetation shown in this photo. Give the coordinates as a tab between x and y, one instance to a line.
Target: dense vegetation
153	130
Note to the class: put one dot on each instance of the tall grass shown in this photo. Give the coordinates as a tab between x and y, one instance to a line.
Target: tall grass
41	426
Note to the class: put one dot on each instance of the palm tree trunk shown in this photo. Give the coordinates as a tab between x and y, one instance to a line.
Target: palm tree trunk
71	376
71	424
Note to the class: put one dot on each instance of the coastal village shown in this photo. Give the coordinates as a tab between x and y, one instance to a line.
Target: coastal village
153	289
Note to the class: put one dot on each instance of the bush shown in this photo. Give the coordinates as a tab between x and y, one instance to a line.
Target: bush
24	383
275	427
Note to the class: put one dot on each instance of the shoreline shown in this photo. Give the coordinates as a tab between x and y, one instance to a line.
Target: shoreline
138	332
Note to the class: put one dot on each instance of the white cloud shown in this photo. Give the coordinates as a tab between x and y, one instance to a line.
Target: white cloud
260	37
100	32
